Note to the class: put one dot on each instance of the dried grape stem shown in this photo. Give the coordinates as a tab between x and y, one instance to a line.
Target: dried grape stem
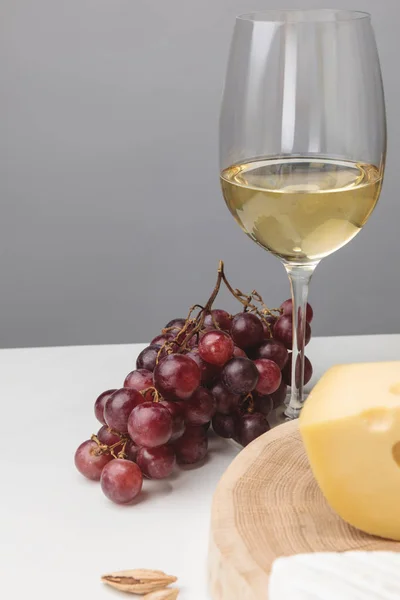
250	406
194	325
122	452
155	393
199	320
104	449
246	300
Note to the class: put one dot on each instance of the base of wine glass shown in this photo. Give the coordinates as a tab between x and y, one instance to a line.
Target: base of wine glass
293	413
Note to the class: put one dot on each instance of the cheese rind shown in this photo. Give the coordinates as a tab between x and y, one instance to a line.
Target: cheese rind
350	426
336	576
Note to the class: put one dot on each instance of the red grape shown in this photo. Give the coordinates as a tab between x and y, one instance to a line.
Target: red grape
287	371
119	406
208	371
239	352
240	375
263	404
178	418
121	481
192	343
156	463
226	402
192	446
269	376
147	359
176	323
107	437
283	331
140	379
216	347
176	377
224	425
90	461
279	396
273	350
218	317
308	370
266	331
200	408
160	340
150	424
100	404
237	421
287	309
250	427
131	451
247	330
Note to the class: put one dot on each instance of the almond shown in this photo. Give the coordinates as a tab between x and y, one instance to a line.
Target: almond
138	581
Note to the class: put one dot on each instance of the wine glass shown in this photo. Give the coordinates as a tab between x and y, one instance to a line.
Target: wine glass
302	142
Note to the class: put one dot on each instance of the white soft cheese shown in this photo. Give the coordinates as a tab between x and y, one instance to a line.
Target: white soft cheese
336	576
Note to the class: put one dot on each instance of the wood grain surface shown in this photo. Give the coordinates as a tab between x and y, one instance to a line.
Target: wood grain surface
266	505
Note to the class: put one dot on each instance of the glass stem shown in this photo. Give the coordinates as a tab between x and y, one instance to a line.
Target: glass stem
299	276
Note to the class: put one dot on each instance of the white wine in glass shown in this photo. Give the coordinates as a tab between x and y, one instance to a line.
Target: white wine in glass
301	209
303	141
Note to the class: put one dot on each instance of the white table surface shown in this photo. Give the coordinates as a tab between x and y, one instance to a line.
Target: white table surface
58	533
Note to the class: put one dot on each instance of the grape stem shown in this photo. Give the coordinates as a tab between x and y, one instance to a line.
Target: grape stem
121	453
247	300
194	325
104	449
155	393
250	406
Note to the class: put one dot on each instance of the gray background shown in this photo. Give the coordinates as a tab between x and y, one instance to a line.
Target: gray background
112	221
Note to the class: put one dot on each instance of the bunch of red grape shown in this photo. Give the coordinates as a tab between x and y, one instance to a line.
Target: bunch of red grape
216	370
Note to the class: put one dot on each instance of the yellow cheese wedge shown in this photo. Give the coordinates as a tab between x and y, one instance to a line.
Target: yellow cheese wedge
350	425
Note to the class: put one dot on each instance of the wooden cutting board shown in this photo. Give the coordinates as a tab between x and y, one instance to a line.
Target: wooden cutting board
266	505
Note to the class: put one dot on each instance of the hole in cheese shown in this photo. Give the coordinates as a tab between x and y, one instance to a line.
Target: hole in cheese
378	419
395	389
396	453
